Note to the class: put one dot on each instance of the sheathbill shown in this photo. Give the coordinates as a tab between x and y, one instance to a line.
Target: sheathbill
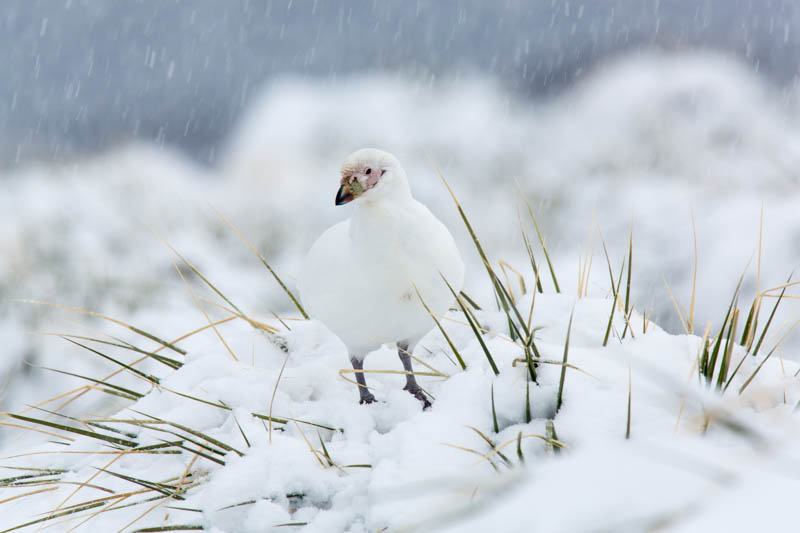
362	276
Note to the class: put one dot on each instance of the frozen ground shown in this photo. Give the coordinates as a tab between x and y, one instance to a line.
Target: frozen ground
649	137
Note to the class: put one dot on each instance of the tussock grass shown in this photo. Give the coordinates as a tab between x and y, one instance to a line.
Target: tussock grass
125	436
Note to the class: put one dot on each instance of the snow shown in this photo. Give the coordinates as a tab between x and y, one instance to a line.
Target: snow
656	137
672	470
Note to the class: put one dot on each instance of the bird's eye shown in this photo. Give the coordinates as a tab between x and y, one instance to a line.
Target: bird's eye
369	171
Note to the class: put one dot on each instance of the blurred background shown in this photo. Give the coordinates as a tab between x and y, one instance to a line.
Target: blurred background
122	117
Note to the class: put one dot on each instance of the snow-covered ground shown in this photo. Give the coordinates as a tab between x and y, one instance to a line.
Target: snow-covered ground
693	458
653	138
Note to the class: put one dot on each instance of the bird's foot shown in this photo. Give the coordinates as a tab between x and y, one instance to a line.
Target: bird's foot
419	395
366	398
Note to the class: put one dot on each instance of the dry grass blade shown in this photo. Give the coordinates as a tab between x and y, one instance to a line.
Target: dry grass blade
54	516
194	270
585	266
531	258
254	323
684	324
549	442
202	310
505	267
492	445
774	348
264	262
134	329
541	240
556	363
175	495
156	529
27	494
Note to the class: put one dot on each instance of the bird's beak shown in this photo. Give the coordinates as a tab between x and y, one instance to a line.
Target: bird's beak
344	195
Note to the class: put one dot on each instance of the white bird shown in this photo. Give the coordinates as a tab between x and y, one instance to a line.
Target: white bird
362	275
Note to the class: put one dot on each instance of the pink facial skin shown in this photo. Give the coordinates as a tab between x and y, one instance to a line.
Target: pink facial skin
367	177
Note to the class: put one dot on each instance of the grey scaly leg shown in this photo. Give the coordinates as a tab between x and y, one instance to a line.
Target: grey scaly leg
364	394
411	382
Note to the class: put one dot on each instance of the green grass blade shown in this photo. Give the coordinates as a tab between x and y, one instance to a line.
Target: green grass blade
628	421
748	333
528	416
194	432
444	333
564	364
93	434
166	490
614	304
133	395
552	436
151	379
246	440
325	450
628	285
726	358
172	363
494	413
470	301
474	328
769	320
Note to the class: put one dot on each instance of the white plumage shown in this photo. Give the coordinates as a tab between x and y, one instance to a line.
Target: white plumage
361	276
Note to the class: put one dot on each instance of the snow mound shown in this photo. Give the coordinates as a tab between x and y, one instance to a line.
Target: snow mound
326	463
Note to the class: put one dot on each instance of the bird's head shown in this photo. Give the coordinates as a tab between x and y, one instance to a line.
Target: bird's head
373	175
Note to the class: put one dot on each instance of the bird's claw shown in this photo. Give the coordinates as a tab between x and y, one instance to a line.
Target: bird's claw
419	395
366	398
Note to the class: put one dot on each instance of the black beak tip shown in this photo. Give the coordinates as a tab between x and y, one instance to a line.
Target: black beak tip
343	197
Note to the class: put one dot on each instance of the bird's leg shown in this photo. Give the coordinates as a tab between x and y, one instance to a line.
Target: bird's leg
363	392
411	382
